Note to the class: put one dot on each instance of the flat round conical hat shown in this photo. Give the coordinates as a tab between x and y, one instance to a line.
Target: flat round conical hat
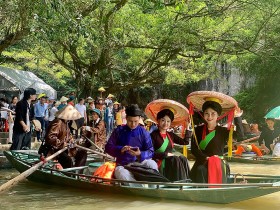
181	113
68	113
198	98
101	89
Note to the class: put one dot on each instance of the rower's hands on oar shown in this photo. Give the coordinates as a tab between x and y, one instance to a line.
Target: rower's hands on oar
81	141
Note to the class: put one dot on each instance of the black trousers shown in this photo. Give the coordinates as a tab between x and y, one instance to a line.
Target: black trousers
21	141
66	161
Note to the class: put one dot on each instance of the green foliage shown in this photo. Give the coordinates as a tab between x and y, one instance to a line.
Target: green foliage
53	74
137	45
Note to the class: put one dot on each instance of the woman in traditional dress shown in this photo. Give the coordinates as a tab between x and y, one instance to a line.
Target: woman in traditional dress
174	168
209	140
58	136
96	129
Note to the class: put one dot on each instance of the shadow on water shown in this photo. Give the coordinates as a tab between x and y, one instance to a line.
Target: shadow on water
28	195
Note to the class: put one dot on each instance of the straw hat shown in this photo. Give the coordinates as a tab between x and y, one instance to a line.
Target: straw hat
141	122
63	99
37	125
181	113
116	103
68	113
198	98
89	99
101	89
110	96
148	120
57	103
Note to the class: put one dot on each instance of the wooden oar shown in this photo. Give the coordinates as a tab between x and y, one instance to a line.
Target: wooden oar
93	151
245	141
26	173
100	149
248	140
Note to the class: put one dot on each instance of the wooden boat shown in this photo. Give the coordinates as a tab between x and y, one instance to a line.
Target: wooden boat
5	164
218	193
254	159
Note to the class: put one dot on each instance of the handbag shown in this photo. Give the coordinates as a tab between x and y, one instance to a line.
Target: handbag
142	173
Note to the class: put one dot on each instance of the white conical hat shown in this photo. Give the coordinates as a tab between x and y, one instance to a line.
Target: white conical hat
68	113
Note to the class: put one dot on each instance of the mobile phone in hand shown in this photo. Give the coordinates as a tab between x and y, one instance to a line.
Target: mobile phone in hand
134	148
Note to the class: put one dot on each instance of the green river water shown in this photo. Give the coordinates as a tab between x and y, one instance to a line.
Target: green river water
28	195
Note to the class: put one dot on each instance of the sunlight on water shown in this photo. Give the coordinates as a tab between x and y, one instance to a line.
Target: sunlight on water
27	195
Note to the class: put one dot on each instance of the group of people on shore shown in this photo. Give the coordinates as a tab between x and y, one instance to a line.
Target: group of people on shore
130	142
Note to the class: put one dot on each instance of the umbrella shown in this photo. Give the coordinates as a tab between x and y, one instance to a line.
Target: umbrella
274	113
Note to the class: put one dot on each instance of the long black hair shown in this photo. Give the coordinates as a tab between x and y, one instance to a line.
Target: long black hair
165	112
213	105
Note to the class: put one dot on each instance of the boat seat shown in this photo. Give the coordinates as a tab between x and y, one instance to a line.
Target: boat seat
76	169
95	164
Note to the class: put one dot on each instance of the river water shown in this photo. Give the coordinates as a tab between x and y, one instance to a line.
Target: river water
28	195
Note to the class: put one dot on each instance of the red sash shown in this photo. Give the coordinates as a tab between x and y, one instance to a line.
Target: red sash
215	175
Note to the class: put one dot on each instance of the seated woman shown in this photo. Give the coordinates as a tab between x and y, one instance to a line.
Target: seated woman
58	136
209	140
174	168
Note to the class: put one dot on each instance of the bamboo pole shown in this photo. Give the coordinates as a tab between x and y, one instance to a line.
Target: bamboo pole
28	172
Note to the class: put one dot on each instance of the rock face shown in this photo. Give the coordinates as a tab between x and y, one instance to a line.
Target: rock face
228	80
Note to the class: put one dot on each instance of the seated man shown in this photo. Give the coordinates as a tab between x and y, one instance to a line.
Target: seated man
131	143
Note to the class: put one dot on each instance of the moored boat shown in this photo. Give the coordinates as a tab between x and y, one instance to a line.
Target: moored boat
218	193
254	159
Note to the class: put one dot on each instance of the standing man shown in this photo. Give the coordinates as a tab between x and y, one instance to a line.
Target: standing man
131	143
109	119
42	115
24	115
81	107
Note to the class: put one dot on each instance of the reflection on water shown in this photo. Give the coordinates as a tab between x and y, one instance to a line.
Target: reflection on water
28	195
